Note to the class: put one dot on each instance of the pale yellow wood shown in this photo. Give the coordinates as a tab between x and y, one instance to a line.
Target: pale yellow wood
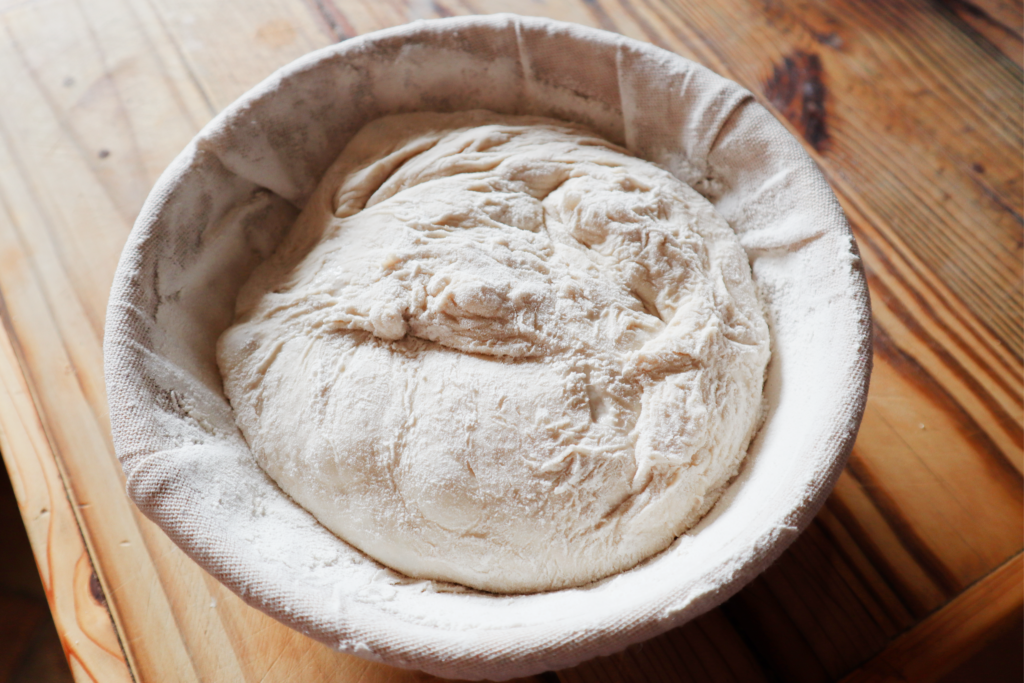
62	314
228	48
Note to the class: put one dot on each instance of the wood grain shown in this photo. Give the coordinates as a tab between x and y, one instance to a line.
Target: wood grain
951	635
912	110
84	625
997	24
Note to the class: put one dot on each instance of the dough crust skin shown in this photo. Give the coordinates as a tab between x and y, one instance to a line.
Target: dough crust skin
500	351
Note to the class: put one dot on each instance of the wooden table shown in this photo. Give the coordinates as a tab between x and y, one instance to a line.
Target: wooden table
913	111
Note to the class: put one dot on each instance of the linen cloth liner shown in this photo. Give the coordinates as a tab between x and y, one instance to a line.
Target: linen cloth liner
225	202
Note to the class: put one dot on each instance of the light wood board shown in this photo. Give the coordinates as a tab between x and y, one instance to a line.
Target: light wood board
911	108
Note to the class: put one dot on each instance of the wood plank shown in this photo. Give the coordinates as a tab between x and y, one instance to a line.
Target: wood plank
708	649
895	569
82	622
54	321
949	637
999	23
228	47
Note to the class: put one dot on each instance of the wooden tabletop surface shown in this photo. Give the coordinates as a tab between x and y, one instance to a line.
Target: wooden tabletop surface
912	108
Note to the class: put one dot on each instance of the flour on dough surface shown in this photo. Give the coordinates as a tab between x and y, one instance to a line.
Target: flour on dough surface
500	351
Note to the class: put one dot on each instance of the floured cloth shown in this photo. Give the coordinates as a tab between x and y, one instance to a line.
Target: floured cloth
225	204
500	351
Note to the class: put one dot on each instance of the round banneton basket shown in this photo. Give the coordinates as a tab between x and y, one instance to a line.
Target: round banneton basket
223	205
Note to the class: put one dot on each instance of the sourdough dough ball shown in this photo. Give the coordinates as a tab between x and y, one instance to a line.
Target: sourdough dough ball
500	351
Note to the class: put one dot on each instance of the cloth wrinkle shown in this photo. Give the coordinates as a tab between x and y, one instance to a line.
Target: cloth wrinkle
215	502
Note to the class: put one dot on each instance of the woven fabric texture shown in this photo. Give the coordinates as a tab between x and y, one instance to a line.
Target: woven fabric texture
224	204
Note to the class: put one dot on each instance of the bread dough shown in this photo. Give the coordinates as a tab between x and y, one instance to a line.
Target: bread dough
500	351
